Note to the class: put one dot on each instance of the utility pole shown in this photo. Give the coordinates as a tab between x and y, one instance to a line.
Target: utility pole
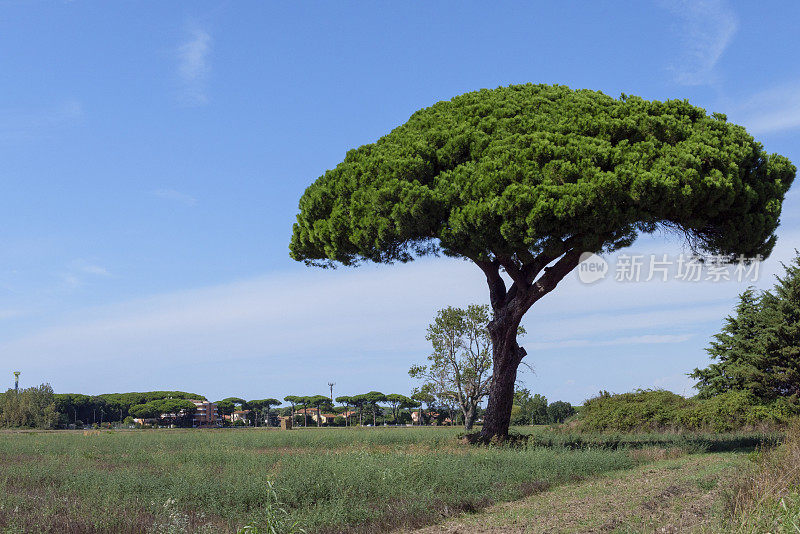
330	385
16	381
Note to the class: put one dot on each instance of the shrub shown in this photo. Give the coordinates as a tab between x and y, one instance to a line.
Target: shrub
641	409
660	409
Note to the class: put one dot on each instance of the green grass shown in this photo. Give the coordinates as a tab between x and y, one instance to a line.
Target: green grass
356	480
688	441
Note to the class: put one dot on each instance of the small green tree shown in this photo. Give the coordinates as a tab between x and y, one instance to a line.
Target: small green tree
559	411
293	400
532	408
359	401
225	407
459	368
33	407
758	349
398	402
318	401
262	407
740	351
149	410
371	401
305	403
345	401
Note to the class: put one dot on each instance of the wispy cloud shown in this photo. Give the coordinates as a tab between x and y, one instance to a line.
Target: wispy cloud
26	124
367	326
87	267
10	314
773	110
79	271
177	196
706	29
647	339
194	67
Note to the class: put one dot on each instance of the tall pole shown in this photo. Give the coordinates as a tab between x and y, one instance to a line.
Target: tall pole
16	381
330	385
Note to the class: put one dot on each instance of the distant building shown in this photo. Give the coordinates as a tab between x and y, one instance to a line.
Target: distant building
325	418
431	416
239	415
206	414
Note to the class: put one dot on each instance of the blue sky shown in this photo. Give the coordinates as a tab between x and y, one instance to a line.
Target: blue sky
153	154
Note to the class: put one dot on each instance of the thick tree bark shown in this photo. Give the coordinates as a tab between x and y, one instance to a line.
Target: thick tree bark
506	357
509	307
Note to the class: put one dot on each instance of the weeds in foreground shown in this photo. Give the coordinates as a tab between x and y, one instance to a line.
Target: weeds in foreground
176	521
767	497
274	518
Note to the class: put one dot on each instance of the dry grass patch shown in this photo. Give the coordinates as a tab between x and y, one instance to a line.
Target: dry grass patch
766	497
672	495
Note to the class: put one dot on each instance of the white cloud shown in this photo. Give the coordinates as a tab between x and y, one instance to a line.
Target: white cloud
193	66
309	313
773	110
706	29
177	196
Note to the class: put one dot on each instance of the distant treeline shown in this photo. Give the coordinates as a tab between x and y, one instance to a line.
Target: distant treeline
113	407
40	407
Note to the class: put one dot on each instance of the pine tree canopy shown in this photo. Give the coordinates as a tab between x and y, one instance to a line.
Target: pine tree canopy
523	170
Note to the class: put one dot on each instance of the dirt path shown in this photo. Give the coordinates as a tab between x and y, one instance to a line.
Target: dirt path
669	496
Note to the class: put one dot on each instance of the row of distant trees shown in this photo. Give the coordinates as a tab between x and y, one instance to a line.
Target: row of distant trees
40	407
78	409
299	406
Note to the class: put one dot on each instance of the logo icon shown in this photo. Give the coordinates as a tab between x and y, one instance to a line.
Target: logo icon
592	268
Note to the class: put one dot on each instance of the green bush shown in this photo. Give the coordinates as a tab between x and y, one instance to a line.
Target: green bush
639	410
660	409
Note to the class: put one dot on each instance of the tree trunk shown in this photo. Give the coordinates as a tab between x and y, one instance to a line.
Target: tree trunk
506	357
469	418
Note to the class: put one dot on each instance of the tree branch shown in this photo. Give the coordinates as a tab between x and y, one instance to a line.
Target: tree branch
553	275
511	267
497	287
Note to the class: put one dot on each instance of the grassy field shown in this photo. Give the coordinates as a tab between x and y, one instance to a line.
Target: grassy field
329	480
